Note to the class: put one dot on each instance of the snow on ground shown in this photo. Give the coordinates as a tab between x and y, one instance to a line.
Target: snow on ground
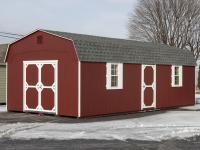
157	127
197	96
191	108
3	108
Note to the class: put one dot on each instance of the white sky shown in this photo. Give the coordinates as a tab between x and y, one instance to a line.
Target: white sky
96	17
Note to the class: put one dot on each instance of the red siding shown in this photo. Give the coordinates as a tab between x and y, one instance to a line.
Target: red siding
168	96
53	48
96	100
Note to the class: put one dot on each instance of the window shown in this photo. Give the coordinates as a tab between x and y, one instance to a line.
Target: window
177	75
114	75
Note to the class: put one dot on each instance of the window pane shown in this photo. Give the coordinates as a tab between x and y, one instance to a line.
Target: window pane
114	70
114	81
176	70
176	80
112	66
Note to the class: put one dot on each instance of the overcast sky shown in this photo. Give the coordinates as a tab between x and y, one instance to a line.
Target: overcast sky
96	17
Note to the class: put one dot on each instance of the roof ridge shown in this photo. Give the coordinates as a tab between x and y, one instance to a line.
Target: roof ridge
125	50
111	38
96	36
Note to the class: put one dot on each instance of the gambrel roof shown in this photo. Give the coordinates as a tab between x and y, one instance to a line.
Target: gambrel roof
102	49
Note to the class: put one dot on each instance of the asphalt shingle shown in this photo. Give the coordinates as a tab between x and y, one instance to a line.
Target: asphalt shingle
102	49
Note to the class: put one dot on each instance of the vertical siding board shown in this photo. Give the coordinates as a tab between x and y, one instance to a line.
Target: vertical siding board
53	48
96	100
168	96
2	83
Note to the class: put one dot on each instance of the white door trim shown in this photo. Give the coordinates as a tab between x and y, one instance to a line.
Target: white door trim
144	86
39	87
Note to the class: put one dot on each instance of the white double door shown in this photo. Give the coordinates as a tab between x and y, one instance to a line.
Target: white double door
40	86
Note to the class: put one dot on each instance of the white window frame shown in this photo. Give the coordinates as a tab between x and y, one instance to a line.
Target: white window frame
173	76
120	76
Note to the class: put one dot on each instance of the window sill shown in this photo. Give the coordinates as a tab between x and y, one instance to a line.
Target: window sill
114	88
176	86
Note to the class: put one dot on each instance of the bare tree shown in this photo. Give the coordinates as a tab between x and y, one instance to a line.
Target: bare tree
172	22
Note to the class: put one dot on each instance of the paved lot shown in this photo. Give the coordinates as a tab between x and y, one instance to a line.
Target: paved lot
80	144
12	118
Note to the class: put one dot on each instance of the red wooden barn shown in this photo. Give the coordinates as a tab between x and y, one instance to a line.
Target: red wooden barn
81	75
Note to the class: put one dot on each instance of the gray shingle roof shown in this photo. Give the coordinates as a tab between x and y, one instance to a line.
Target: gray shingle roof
3	49
102	49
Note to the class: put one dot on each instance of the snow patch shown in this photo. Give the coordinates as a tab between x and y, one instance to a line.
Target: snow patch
197	97
3	108
163	126
65	132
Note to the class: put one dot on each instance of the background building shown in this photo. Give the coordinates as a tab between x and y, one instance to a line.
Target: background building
3	48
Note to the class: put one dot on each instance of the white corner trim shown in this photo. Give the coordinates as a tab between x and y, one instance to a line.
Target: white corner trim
6	86
79	89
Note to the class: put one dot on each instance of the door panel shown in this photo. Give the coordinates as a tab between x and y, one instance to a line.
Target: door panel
32	75
40	86
148	75
31	98
148	96
47	99
148	86
47	75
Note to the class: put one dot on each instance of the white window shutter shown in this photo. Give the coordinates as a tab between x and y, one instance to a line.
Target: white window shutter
172	76
120	79
108	75
181	76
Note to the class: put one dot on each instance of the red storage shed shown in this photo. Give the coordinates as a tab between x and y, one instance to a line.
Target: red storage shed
81	75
